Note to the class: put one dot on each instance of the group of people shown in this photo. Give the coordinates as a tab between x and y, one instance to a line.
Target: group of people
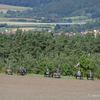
22	69
79	72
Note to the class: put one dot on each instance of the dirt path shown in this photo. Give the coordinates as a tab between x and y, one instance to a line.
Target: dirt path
14	87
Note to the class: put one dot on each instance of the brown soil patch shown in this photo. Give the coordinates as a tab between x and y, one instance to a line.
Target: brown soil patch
9	6
4	11
41	88
23	29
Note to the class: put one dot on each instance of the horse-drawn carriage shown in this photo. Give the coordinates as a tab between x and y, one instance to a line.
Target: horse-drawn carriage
90	76
57	74
22	72
50	74
79	75
9	71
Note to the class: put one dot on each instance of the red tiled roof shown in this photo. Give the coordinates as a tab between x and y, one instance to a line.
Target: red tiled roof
66	33
2	32
59	33
87	32
74	33
13	32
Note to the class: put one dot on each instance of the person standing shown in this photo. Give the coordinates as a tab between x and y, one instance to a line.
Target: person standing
9	67
90	74
79	72
47	70
57	71
20	69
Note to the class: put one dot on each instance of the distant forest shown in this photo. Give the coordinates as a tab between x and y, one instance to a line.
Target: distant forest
59	8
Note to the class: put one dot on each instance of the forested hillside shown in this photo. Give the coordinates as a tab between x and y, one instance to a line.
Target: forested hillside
59	8
37	52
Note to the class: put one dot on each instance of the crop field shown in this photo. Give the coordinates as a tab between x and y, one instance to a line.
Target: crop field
76	17
80	19
4	8
13	87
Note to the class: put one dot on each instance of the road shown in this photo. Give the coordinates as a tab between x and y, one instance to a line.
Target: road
26	23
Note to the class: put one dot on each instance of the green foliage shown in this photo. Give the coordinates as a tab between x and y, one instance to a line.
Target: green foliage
37	52
42	69
4	69
66	70
86	65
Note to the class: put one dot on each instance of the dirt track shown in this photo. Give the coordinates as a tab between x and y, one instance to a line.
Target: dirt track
14	87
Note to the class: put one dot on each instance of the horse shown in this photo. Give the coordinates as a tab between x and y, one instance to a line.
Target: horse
22	72
9	71
57	74
90	76
80	76
98	76
48	74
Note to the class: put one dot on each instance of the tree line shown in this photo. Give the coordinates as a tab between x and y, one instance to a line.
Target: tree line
37	52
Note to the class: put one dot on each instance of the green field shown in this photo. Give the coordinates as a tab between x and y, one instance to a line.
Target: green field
62	77
79	19
9	29
4	20
76	17
2	15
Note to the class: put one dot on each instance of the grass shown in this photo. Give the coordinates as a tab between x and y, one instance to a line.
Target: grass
12	9
79	19
27	29
4	20
76	17
62	77
9	29
2	15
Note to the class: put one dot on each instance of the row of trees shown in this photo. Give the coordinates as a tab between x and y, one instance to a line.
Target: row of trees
37	52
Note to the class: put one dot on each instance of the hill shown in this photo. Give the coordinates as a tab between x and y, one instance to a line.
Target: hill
59	8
